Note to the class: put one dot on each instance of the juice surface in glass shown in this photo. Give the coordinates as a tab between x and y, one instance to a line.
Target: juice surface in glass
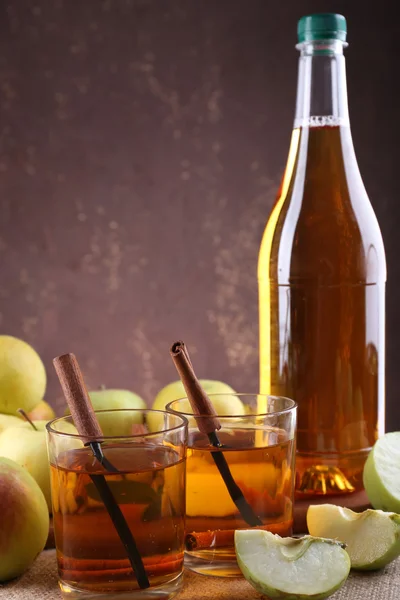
260	457
149	490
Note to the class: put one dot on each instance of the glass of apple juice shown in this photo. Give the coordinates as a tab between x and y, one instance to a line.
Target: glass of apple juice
258	445
147	452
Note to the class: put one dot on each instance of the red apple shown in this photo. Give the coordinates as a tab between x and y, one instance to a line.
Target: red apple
24	520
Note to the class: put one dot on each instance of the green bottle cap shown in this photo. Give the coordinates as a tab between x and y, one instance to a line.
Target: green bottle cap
322	26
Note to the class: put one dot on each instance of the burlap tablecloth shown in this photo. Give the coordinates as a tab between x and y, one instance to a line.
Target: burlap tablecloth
40	583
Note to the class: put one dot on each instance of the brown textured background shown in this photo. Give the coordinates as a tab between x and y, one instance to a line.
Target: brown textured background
141	147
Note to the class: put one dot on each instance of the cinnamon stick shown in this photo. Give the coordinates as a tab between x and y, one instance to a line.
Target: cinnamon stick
77	397
208	423
199	401
88	427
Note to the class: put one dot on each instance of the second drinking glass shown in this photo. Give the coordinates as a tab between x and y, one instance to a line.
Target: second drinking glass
259	449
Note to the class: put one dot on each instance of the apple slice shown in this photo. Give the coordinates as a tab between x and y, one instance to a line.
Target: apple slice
382	473
290	568
372	537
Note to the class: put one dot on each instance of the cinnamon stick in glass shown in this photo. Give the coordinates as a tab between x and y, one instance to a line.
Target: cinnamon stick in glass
208	423
88	427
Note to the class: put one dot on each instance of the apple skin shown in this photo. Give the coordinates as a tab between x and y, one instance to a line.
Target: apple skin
28	448
7	421
24	520
42	412
22	376
112	399
381	474
224	405
368	529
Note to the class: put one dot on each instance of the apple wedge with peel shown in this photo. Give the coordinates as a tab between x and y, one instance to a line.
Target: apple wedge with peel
290	568
372	537
381	475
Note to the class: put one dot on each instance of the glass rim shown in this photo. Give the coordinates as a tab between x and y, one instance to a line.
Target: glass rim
273	413
183	424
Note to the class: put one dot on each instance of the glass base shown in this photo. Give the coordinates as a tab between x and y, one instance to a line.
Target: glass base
160	592
207	562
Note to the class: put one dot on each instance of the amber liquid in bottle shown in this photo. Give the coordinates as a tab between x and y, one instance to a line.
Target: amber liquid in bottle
322	276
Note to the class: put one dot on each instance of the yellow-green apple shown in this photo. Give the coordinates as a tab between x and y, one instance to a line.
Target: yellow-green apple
8	421
24	520
42	412
117	424
225	402
372	537
22	376
25	443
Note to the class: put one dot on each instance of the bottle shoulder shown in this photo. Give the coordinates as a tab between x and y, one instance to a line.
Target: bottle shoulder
329	249
323	225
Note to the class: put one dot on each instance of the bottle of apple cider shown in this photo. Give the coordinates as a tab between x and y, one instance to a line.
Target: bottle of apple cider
322	274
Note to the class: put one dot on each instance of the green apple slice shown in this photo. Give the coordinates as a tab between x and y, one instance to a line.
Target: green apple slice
372	537
289	568
382	473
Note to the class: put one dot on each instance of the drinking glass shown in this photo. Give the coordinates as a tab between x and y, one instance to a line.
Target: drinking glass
257	444
145	453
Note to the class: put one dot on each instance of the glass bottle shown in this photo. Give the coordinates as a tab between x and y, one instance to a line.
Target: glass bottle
322	275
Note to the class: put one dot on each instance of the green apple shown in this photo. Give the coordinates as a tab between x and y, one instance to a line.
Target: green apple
372	537
26	445
226	403
382	473
289	568
109	399
22	376
42	412
24	520
8	421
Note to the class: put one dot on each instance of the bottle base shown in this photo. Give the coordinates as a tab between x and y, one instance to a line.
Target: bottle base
330	473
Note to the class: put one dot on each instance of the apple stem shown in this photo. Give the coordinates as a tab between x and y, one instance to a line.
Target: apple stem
25	416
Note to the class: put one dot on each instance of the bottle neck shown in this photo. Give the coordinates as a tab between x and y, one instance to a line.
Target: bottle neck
321	87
